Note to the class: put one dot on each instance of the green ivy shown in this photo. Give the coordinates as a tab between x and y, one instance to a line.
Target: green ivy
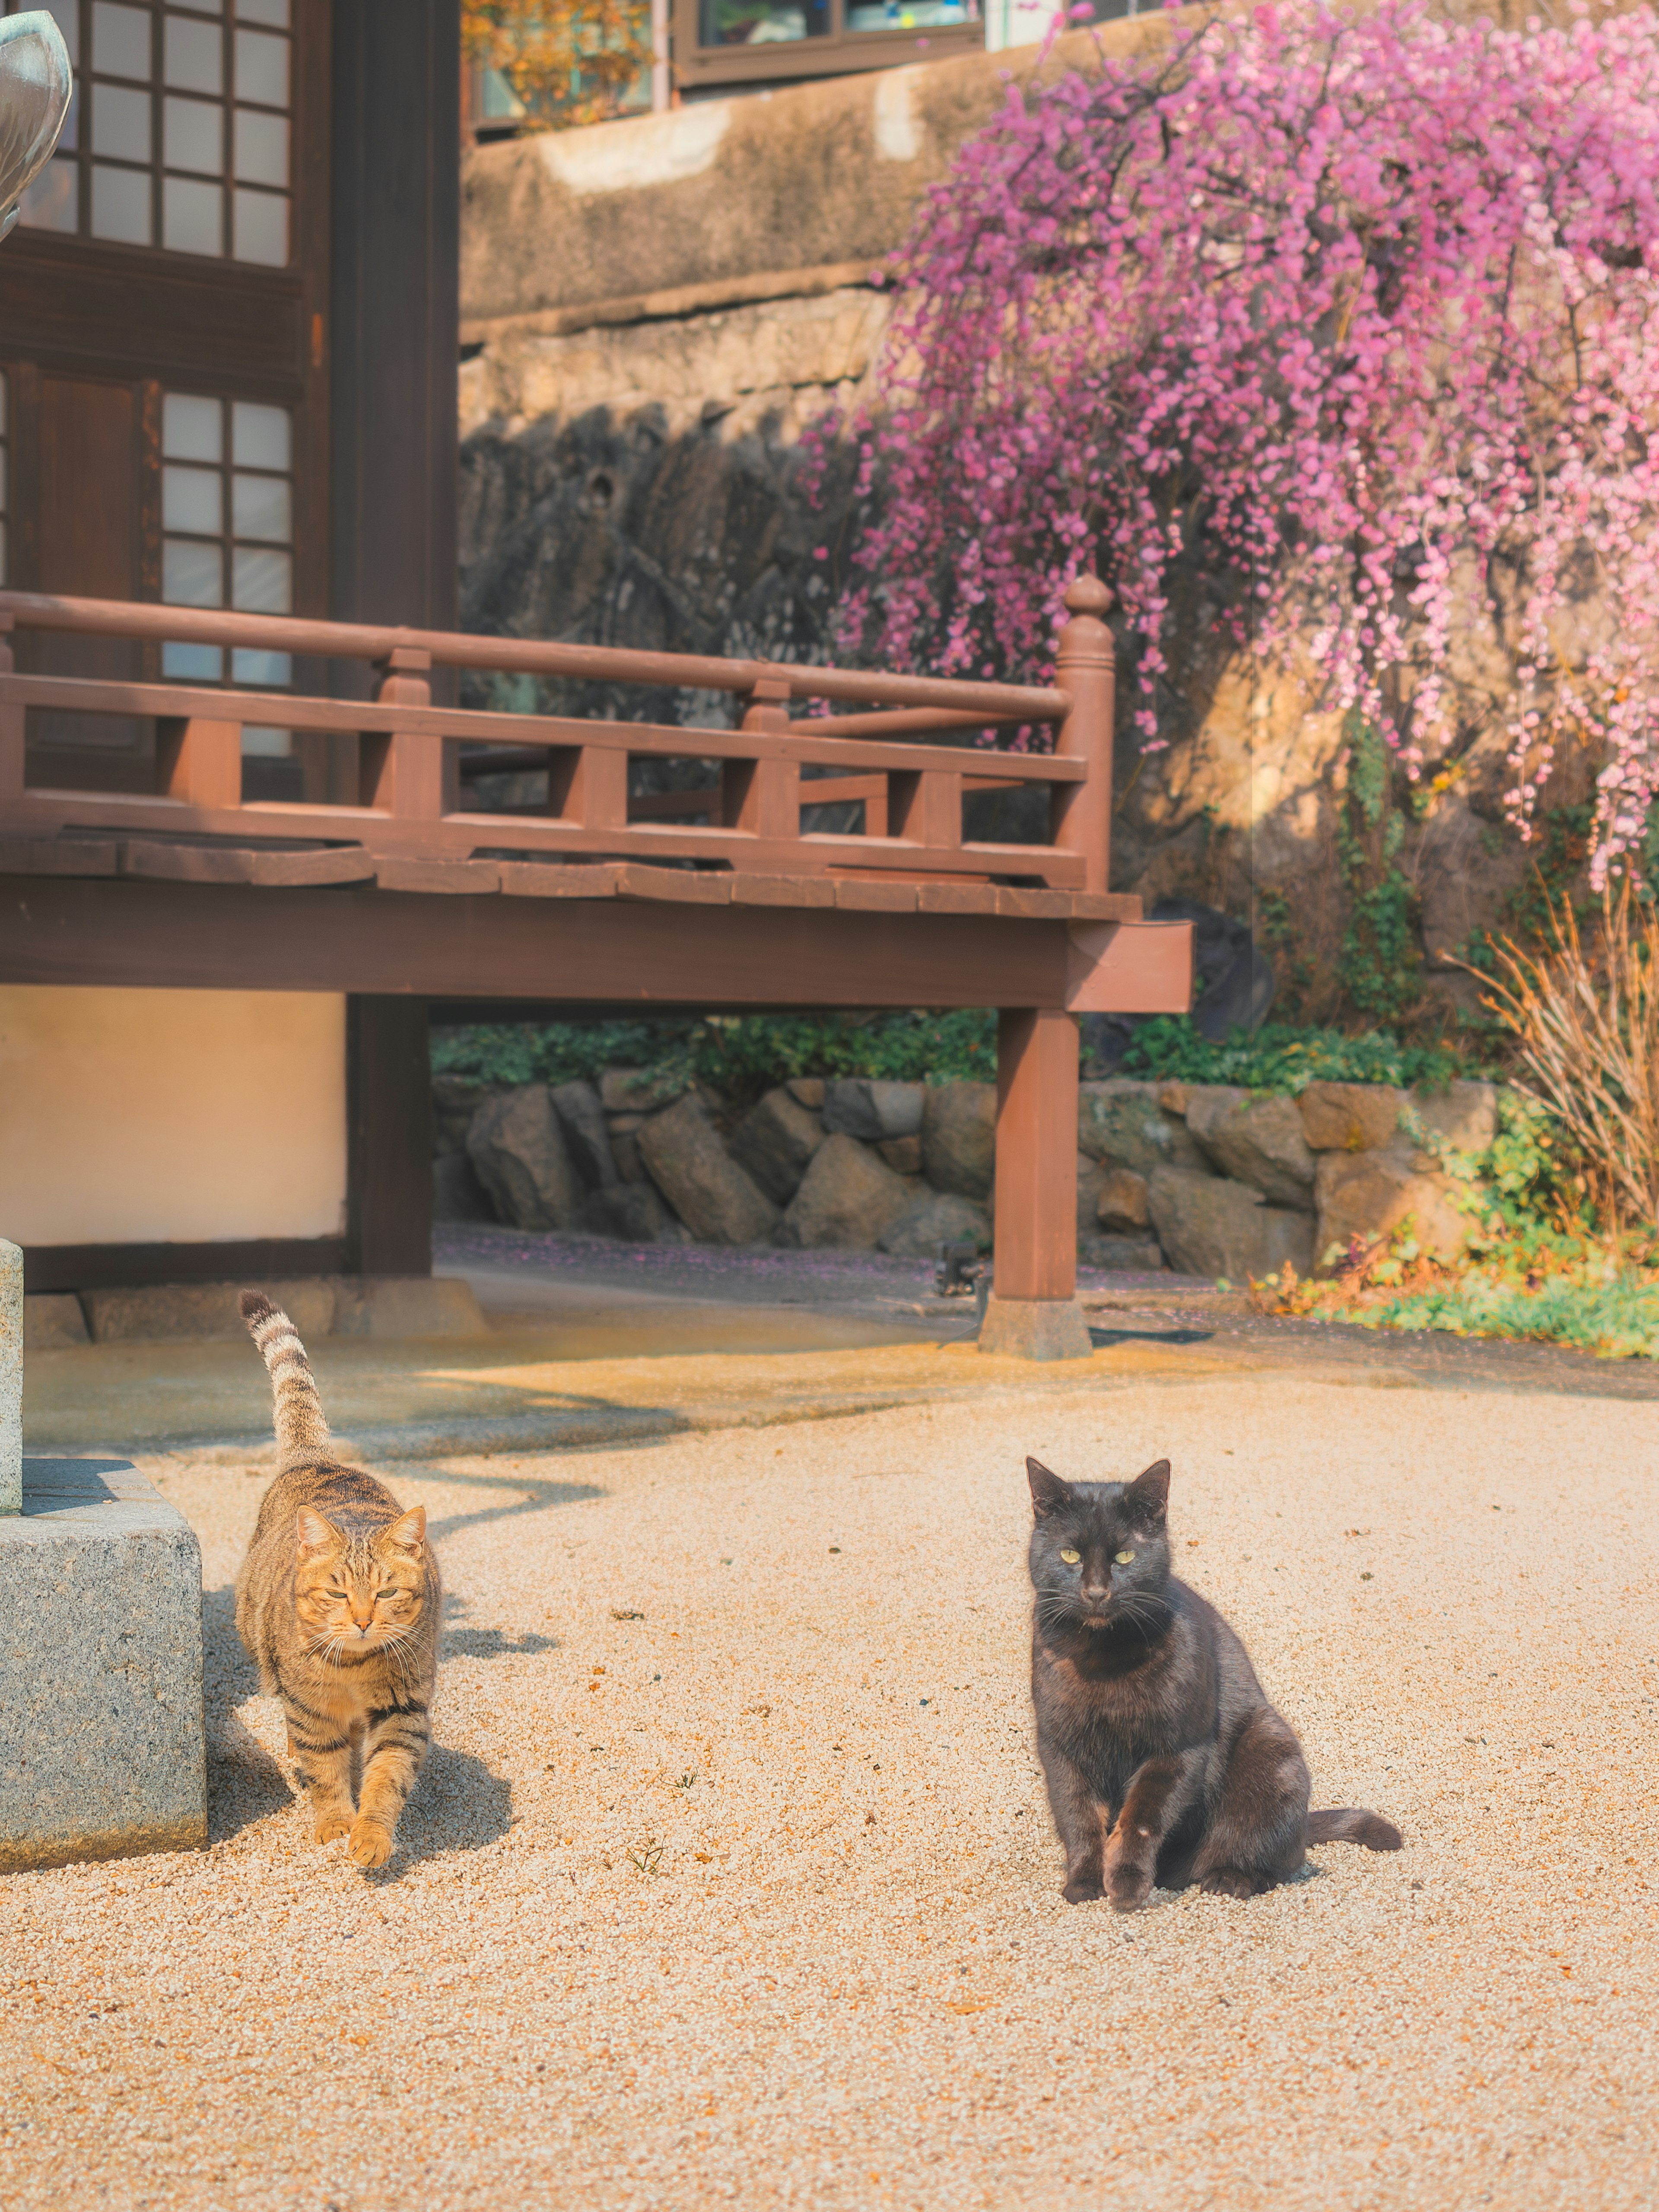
1281	1058
1380	965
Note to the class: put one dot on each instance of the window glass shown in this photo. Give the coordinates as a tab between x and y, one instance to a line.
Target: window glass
273	12
193	136
195	55
121	122
194	664
192	499
262	68
259	509
52	201
261	436
763	23
261	228
907	15
192	576
192	216
261	147
262	583
120	41
192	429
120	205
261	669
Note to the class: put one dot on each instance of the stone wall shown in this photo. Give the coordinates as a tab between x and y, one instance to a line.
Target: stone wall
1204	1178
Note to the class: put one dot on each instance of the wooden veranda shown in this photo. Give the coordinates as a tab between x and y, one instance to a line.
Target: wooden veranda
379	880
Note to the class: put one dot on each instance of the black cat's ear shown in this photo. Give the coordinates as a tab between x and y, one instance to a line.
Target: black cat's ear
1048	1493
1148	1496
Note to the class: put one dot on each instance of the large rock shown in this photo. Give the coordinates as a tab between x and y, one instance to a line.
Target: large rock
857	1106
1465	1117
1120	1124
1350	1117
959	1137
712	1196
1122	1203
1366	1195
455	1100
1119	1254
633	1211
516	1143
1090	1182
1208	1226
582	1117
938	1218
848	1197
641	1089
774	1142
456	1193
1258	1141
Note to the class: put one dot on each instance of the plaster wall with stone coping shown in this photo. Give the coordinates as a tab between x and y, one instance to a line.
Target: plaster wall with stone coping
130	1116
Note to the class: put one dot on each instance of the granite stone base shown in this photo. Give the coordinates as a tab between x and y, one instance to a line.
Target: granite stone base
1034	1329
102	1753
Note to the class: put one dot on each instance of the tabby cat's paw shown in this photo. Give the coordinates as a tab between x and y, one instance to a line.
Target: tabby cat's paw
371	1845
1083	1889
329	1826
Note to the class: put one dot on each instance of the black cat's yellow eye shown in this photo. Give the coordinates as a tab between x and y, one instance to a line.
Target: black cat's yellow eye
1124	1558
1071	1558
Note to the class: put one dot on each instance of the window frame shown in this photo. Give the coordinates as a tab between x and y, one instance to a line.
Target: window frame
839	53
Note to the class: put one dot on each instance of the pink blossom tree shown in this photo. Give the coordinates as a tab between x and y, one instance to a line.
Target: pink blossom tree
1356	313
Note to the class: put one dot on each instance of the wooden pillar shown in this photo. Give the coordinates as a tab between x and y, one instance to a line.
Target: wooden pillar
389	1157
1033	1312
1085	669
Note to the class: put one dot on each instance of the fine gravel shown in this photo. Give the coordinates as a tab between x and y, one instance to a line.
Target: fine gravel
731	1879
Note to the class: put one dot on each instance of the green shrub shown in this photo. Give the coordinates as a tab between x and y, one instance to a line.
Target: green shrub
1280	1058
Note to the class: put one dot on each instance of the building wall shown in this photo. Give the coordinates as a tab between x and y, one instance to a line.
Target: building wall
171	1117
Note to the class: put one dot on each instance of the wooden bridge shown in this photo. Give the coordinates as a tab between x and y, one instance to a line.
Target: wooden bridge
157	865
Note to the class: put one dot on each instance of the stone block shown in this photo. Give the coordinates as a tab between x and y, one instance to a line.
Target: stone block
1465	1117
857	1106
1209	1225
901	1154
625	1151
53	1322
176	1313
516	1143
1122	1124
11	1378
101	1741
959	1137
1257	1141
848	1197
937	1217
634	1211
1121	1204
641	1089
455	1100
688	1161
775	1141
1120	1255
807	1091
456	1193
587	1139
391	1307
1350	1117
1367	1195
1034	1329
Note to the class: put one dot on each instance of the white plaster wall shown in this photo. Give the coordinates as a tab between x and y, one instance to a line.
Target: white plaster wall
170	1116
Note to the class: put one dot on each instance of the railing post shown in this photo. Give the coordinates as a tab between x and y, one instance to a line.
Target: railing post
12	727
199	761
924	807
400	773
1033	1313
762	796
1085	669
588	785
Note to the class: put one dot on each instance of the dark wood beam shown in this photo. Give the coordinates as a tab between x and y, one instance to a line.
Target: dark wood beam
389	1137
140	933
124	1267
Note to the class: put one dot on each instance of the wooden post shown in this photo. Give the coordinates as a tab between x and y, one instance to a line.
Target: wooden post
763	796
12	726
1034	1313
389	1137
924	807
1085	668
404	774
588	785
199	761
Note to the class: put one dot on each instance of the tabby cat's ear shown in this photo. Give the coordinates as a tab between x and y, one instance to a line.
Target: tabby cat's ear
1148	1496
409	1534
313	1533
1048	1493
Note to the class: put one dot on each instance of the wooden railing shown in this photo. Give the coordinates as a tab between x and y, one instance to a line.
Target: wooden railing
397	766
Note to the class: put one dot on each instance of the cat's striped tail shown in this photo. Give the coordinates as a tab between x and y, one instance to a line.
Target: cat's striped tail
1355	1824
301	1431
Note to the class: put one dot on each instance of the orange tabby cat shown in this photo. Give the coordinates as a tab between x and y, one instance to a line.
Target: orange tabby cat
338	1602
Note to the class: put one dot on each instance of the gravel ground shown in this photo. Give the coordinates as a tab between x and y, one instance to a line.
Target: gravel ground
731	1879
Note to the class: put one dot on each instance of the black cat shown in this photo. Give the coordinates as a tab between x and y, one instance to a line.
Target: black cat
1164	1762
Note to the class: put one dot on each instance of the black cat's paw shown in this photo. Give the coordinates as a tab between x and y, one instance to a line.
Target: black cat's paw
1083	1889
1131	1887
1232	1881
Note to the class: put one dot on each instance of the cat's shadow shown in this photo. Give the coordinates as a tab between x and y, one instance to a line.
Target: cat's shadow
459	1804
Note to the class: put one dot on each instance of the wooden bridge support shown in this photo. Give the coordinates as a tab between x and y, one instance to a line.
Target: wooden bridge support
1033	1312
